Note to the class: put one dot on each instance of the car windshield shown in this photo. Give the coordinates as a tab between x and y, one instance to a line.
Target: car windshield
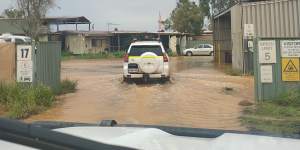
138	50
226	65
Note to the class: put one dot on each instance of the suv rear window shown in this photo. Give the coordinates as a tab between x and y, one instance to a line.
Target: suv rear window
138	50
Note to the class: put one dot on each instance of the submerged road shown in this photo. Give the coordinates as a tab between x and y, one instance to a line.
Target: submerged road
195	97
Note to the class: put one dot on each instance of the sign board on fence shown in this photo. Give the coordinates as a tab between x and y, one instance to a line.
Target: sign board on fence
24	71
24	63
24	52
267	52
248	30
290	69
266	74
290	48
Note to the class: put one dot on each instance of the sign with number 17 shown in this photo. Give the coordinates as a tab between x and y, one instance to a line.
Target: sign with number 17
24	63
24	52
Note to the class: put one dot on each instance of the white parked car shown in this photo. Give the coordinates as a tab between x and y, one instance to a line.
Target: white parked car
202	49
9	38
146	59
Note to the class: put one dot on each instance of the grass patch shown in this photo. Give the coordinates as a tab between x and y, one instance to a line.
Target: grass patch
67	86
280	116
118	54
23	100
100	55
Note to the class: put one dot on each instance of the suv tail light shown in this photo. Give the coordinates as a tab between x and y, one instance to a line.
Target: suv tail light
126	57
165	57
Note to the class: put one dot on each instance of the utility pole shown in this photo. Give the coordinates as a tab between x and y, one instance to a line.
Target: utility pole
108	29
111	24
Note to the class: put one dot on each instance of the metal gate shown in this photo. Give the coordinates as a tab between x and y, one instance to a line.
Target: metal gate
47	59
276	67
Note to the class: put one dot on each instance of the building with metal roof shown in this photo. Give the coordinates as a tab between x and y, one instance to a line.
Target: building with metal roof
14	26
90	41
269	19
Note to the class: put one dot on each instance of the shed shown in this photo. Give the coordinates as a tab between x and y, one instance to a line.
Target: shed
270	18
80	42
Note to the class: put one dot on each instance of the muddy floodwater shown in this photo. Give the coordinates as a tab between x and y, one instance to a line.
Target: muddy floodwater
195	97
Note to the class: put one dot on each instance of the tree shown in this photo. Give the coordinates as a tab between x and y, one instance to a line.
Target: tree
187	17
33	12
168	24
205	7
13	13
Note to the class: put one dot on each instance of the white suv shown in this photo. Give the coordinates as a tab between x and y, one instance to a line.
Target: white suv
146	59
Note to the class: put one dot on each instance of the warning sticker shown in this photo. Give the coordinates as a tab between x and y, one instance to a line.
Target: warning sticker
290	69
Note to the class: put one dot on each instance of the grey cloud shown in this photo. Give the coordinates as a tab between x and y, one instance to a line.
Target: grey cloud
130	14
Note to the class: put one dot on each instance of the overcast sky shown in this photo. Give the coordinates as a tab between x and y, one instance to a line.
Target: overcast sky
130	14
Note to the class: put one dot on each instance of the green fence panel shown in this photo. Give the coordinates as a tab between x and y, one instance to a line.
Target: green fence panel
47	64
271	91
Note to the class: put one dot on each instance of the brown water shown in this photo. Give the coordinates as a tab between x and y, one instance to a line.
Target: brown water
195	97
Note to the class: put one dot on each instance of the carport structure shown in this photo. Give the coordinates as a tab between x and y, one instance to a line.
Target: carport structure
67	21
14	26
270	19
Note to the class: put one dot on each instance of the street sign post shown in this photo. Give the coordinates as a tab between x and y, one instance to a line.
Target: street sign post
24	63
267	52
266	73
290	48
249	30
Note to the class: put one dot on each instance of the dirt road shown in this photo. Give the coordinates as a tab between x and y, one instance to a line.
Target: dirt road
195	97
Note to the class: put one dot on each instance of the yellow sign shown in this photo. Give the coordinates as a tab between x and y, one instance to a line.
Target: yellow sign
290	69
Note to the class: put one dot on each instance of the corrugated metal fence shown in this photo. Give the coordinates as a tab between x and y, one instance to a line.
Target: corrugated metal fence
277	18
47	64
274	89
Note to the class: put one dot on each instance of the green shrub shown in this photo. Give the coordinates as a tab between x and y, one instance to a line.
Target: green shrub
171	53
66	53
67	86
118	54
279	116
23	100
290	98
